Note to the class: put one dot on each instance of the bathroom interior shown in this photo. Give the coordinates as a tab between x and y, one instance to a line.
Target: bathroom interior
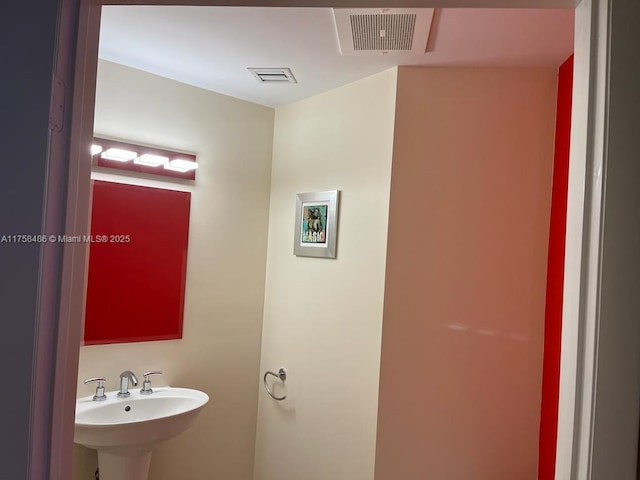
417	352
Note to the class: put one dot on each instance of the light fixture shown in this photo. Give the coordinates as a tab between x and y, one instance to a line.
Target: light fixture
143	159
119	155
181	165
151	160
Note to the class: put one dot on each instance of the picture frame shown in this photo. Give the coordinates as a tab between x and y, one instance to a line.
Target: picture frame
316	225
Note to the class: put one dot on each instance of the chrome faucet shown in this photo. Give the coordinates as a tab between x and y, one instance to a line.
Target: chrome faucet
124	382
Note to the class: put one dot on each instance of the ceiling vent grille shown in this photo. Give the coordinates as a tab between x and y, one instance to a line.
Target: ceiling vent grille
383	31
273	75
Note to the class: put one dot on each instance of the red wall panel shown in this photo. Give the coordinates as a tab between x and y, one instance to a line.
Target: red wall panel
555	278
137	263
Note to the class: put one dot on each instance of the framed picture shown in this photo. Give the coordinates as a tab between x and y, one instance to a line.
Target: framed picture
316	224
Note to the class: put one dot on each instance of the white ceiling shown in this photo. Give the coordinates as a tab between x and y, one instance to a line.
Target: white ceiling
211	47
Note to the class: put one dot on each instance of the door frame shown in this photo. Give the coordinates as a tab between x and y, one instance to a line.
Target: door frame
581	315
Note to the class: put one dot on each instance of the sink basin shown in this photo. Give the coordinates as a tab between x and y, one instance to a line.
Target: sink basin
125	430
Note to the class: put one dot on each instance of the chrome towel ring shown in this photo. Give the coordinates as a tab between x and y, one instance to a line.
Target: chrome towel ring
282	375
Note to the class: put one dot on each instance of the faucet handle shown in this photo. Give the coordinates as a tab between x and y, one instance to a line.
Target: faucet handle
99	396
146	385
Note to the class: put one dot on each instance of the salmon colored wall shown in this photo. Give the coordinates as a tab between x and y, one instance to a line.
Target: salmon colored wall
555	277
463	322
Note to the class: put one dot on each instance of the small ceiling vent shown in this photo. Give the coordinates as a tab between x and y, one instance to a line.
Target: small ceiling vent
273	75
383	31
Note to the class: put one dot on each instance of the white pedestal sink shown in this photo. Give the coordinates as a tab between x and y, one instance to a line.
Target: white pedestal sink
124	431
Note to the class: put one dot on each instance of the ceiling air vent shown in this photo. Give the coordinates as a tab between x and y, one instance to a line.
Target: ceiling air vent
273	75
383	31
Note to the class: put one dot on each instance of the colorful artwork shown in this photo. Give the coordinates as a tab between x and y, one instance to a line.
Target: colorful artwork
314	224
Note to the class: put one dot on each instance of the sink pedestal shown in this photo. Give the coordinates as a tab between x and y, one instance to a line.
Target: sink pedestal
123	465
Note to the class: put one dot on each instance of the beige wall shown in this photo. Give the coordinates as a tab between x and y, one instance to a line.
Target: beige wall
323	318
220	350
465	287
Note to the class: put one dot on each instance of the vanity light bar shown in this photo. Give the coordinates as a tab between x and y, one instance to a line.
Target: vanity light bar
119	155
181	165
143	159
